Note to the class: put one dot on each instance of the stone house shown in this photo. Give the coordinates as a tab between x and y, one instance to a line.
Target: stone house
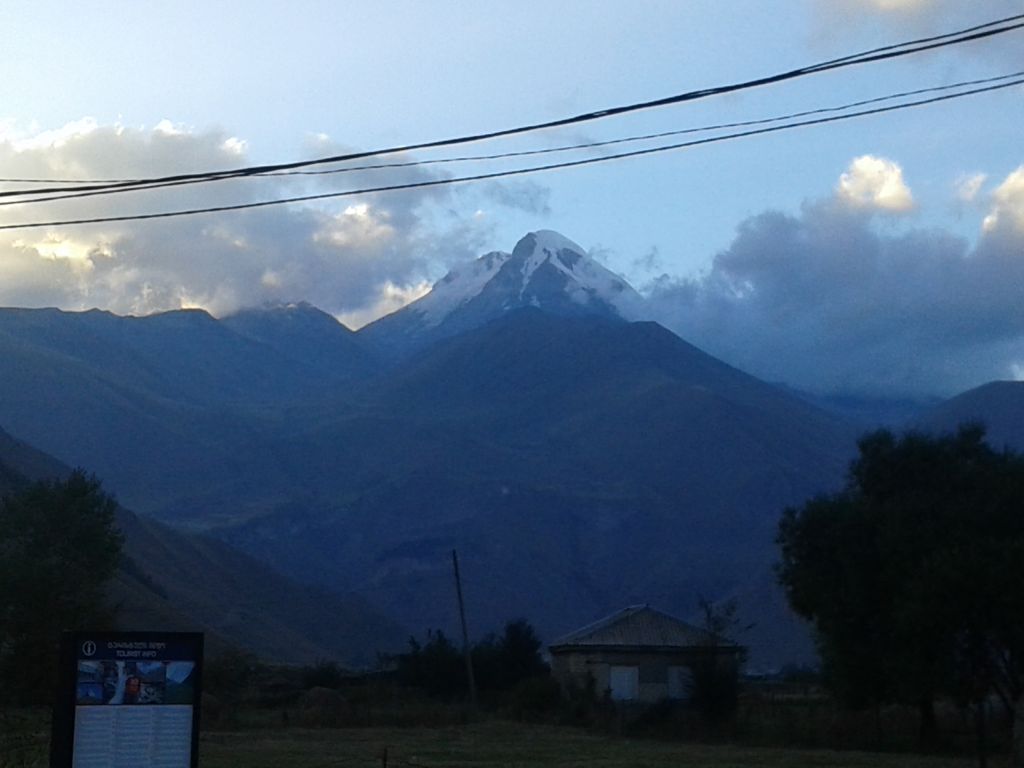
639	654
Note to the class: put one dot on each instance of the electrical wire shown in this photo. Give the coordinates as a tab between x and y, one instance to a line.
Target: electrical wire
514	172
570	147
649	136
977	32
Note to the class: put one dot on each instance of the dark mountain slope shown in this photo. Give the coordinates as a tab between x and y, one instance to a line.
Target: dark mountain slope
307	337
578	464
999	405
19	462
176	581
249	604
157	404
614	399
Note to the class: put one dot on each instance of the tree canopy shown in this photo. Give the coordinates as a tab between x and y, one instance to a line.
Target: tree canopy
500	662
913	574
59	546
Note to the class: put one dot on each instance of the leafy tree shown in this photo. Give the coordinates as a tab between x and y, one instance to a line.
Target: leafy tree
435	667
58	548
714	684
913	575
500	662
504	661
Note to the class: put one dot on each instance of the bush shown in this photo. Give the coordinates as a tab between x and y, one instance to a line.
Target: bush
435	667
323	674
714	689
230	674
533	697
324	707
500	663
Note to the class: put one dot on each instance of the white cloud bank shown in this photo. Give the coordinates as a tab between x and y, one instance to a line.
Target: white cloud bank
915	15
1008	205
840	20
353	257
875	182
828	301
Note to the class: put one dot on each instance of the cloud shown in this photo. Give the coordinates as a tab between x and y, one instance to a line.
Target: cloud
1008	206
351	256
887	6
34	140
968	187
914	15
390	298
839	20
649	261
828	301
527	196
874	182
899	6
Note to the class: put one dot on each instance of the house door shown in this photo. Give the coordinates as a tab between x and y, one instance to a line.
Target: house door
624	683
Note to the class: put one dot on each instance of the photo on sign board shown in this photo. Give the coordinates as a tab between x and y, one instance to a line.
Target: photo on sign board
121	682
89	689
152	677
181	688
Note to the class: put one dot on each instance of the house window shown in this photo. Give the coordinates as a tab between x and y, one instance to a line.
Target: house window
624	683
680	680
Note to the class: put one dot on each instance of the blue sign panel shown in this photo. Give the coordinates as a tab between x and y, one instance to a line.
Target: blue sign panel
128	699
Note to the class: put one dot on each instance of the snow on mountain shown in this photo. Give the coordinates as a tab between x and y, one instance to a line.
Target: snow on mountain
459	286
545	270
586	281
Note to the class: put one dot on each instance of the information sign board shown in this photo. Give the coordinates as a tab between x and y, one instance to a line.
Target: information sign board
128	699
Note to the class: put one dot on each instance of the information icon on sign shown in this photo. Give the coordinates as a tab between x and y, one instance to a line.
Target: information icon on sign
88	648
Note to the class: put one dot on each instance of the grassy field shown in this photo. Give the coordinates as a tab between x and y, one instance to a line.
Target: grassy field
510	745
24	741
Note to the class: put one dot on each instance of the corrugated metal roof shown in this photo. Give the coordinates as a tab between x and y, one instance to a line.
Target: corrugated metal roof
639	625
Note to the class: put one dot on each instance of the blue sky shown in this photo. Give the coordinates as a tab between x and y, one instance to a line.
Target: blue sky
903	232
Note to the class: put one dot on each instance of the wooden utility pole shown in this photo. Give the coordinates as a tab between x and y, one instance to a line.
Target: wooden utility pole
465	633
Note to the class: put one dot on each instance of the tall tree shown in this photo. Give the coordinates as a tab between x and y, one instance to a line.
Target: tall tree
501	661
59	546
913	575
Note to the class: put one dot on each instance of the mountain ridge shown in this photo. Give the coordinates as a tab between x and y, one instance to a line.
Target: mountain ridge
997	405
545	270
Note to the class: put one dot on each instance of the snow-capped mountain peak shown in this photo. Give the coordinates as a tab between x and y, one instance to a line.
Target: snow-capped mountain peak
587	282
547	246
545	270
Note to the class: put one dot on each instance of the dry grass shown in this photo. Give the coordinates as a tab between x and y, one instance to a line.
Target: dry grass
511	745
24	740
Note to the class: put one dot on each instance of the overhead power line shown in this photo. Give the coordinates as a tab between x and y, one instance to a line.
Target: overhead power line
977	32
517	171
650	136
564	148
